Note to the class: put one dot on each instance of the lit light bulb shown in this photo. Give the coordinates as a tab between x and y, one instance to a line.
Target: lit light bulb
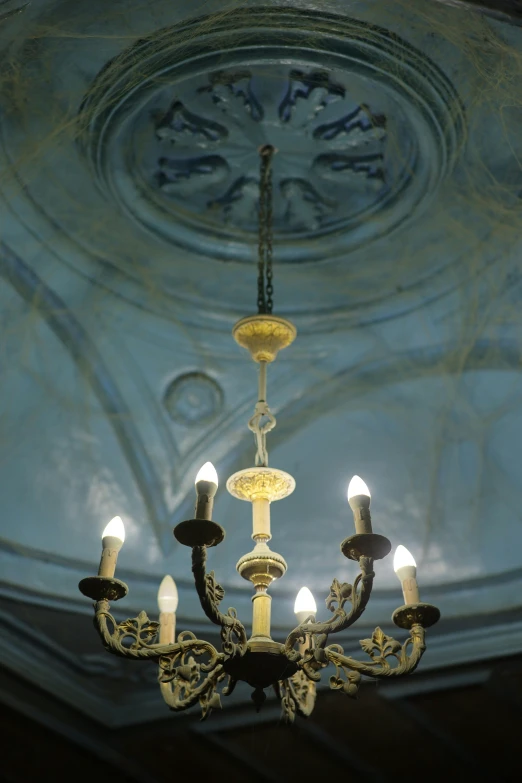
112	541
403	558
115	529
357	487
305	602
207	473
168	595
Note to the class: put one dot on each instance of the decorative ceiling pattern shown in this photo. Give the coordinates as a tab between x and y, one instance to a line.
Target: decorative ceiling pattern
128	251
365	126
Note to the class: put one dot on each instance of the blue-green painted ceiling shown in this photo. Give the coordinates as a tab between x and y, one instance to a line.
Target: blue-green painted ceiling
129	145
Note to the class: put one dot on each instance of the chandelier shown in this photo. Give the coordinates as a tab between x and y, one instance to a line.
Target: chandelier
192	670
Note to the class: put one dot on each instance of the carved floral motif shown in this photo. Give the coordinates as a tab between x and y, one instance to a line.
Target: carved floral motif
260	483
196	149
357	152
380	646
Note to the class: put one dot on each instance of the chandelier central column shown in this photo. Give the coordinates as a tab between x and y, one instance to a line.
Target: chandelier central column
263	336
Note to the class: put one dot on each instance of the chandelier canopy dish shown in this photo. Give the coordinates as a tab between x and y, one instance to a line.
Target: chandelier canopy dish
192	670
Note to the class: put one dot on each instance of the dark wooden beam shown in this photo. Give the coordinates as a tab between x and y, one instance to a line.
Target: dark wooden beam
504	10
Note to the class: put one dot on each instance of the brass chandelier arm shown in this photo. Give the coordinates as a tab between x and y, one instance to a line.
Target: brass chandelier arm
357	594
233	634
380	647
135	638
180	693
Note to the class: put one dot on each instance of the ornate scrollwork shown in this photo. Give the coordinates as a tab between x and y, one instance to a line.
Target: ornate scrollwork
233	634
134	637
137	638
380	648
180	693
184	680
214	590
357	595
191	670
350	685
297	696
140	629
340	593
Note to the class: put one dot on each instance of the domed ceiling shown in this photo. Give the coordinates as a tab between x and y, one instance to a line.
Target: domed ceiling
129	143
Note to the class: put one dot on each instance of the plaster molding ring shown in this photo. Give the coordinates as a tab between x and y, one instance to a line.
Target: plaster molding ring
172	136
193	399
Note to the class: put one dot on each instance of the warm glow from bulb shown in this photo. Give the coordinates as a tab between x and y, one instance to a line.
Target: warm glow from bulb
168	595
403	558
207	473
115	529
357	487
305	602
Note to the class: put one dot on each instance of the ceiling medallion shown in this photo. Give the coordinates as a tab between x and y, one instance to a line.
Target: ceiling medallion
366	127
192	670
193	399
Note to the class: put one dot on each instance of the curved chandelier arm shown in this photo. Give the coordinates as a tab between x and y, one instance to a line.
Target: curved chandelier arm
297	695
135	638
357	594
380	647
233	634
181	693
184	681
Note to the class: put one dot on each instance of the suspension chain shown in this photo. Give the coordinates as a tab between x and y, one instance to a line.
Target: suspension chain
265	287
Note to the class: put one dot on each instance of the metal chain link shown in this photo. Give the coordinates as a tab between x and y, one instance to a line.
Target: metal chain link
263	419
265	286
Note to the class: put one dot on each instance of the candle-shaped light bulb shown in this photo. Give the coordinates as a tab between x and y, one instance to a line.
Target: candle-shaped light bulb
403	557
207	473
206	488
357	487
112	541
304	605
167	603
114	529
359	500
168	595
405	567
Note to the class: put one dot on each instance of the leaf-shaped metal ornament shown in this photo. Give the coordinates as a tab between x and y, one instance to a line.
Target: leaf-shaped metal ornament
379	637
147	629
380	646
392	646
140	629
367	645
340	592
